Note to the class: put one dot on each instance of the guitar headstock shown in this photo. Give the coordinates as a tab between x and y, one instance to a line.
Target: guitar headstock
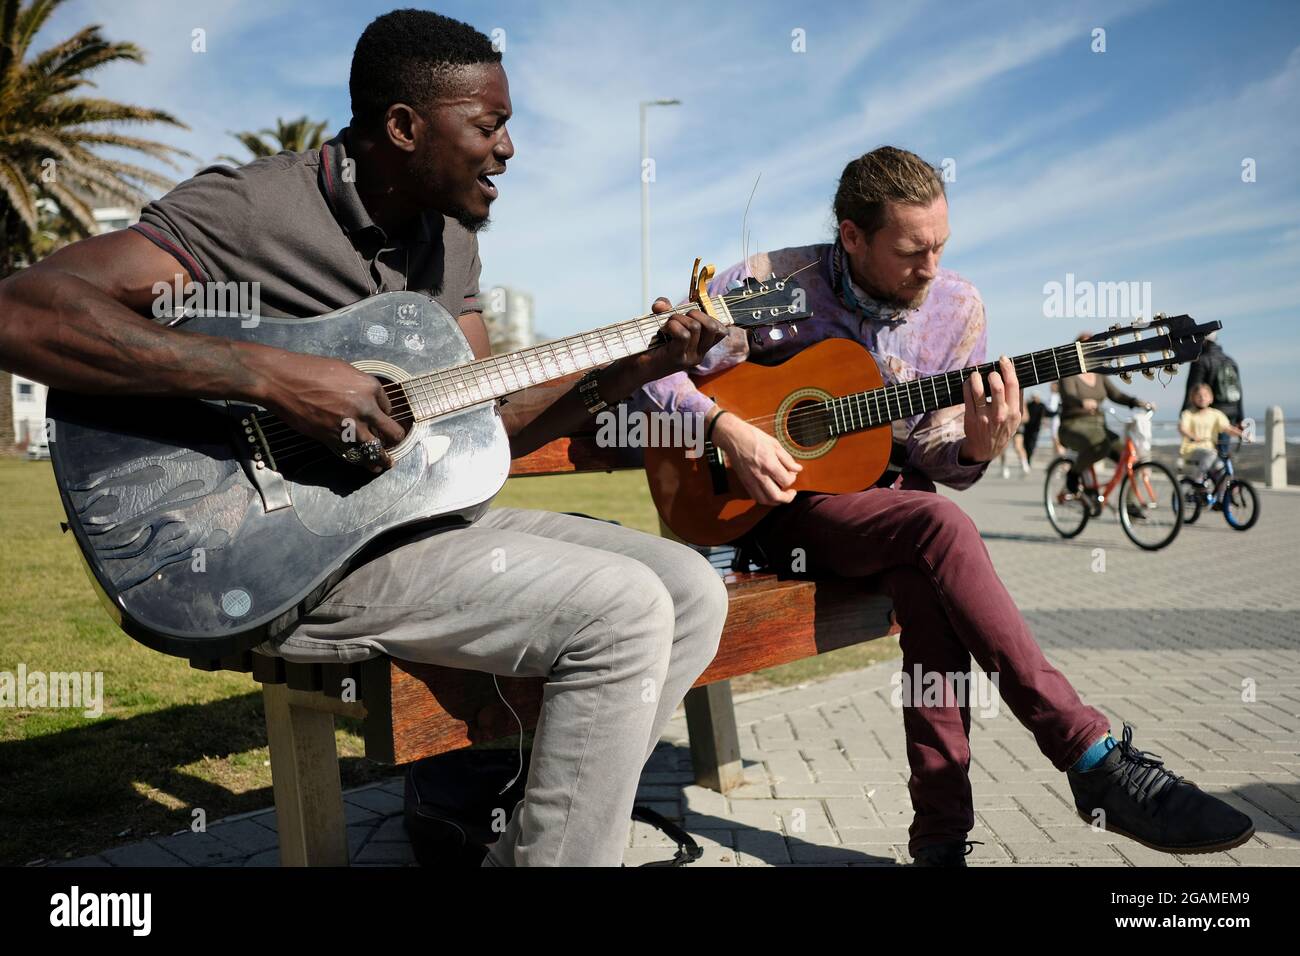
1163	342
754	303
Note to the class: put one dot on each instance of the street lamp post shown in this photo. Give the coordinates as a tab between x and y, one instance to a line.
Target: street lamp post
645	202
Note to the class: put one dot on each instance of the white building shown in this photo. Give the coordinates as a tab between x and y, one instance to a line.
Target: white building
112	218
509	316
29	411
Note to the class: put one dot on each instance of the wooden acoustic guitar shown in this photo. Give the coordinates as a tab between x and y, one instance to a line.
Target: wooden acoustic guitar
831	410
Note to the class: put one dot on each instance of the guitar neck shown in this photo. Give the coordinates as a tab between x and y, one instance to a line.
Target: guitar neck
488	379
891	403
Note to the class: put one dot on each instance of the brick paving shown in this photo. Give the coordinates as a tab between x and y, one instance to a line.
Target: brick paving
1196	646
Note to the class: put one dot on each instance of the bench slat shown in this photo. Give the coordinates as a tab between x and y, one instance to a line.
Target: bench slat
772	622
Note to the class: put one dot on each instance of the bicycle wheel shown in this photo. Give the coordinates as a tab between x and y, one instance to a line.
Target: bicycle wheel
1150	506
1240	505
1191	500
1066	509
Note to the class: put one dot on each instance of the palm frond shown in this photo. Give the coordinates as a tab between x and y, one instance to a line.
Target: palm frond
74	111
18	192
45	115
28	23
74	207
294	136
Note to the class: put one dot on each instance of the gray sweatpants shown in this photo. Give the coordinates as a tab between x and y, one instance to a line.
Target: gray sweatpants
620	623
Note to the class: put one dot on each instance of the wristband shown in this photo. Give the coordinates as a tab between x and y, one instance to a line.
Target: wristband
708	432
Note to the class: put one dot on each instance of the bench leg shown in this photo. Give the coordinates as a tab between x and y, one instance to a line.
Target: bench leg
715	743
305	778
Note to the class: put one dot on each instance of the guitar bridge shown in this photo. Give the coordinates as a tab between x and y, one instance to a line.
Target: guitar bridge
260	466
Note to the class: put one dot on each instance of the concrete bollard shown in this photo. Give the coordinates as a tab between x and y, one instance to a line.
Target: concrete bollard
1274	448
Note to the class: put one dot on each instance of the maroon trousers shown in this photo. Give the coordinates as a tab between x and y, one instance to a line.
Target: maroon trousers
928	556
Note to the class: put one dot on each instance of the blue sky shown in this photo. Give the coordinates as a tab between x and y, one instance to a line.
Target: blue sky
1115	166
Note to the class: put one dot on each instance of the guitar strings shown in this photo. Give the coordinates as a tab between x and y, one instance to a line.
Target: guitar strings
462	377
799	416
902	391
765	423
275	429
403	389
405	413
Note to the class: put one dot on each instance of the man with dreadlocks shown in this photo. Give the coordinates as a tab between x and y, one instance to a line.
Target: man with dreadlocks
880	284
619	623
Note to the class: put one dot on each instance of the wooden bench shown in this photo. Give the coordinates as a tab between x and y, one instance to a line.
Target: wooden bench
413	710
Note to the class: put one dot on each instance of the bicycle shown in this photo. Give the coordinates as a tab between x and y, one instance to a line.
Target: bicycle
1152	502
1234	496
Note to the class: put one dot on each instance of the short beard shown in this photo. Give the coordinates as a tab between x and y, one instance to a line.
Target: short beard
896	301
893	300
470	222
917	300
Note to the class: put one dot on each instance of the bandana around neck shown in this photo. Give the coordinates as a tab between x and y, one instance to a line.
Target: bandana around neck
855	299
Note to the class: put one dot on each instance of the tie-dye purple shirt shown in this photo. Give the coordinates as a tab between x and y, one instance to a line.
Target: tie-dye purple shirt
947	332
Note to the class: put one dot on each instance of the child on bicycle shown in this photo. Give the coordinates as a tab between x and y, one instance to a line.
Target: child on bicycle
1201	427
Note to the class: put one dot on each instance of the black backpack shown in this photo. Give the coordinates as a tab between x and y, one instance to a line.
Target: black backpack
455	808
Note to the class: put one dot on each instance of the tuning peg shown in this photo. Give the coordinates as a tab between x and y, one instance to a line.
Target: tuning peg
1126	377
1171	369
1116	327
1149	374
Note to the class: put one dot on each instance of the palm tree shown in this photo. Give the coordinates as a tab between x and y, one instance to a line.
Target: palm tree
295	136
48	135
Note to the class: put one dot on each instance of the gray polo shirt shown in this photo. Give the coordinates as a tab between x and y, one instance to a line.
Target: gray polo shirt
295	224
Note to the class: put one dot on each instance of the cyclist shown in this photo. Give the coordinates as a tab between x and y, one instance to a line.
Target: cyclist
1201	427
1083	421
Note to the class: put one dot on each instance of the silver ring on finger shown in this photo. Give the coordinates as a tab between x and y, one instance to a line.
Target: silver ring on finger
368	451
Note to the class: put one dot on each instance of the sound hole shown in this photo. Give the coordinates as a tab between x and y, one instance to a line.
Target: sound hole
807	425
402	412
301	458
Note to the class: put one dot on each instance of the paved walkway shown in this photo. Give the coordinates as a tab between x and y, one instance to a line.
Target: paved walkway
1197	646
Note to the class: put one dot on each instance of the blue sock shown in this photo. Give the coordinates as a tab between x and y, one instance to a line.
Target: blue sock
1095	754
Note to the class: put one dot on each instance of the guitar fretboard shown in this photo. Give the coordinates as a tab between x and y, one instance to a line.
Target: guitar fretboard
465	386
891	403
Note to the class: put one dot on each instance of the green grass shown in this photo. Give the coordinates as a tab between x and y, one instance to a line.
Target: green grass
172	738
